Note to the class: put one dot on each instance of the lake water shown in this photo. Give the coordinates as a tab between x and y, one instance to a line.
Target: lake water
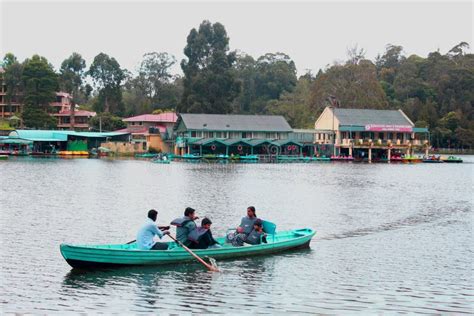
390	237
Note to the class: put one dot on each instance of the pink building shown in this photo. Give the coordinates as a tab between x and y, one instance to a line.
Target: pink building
153	129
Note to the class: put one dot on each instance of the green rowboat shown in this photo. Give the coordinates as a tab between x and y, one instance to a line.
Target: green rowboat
99	256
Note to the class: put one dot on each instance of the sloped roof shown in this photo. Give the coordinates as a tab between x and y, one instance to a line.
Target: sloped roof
228	122
169	117
53	135
362	117
76	113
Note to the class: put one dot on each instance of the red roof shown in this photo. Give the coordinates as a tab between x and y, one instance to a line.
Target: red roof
141	129
169	117
76	113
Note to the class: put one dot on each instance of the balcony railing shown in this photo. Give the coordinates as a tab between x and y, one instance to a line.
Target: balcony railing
381	142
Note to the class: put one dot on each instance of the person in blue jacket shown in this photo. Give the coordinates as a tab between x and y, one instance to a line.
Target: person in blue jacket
146	234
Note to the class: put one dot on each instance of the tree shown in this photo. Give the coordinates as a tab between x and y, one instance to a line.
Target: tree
106	122
295	106
276	73
107	76
40	84
154	87
355	54
70	79
209	83
353	85
13	80
154	72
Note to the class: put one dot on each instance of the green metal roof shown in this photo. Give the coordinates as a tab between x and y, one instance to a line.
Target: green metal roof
257	142
351	128
282	142
420	130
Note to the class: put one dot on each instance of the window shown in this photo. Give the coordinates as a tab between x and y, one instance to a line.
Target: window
193	133
218	134
246	135
380	135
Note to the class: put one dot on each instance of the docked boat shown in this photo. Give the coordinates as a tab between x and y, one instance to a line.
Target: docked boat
191	156
451	159
342	158
98	256
412	159
146	155
249	158
432	159
162	160
3	157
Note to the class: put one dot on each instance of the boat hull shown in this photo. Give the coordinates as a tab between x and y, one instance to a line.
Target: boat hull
109	256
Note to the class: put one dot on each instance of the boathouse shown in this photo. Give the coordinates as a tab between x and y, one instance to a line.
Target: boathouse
370	134
27	142
219	134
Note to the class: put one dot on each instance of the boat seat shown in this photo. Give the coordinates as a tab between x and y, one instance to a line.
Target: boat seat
269	228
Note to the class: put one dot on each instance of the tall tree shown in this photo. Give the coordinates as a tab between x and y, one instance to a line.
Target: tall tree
295	105
40	84
154	72
70	80
107	76
13	80
353	85
210	85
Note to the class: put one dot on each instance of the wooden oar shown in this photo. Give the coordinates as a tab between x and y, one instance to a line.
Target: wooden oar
207	265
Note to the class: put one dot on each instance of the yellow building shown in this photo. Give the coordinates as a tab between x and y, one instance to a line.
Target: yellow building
369	134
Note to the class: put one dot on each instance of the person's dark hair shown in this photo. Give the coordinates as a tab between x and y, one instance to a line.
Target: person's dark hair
258	222
152	214
252	208
205	221
188	211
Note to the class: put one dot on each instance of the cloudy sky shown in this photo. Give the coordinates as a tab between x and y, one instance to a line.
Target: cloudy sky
313	33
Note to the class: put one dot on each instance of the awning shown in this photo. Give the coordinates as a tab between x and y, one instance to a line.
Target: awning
16	141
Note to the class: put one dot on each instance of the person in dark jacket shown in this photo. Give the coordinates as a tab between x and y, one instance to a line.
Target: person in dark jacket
201	237
257	235
185	225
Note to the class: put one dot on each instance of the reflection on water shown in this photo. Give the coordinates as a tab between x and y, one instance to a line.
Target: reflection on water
391	238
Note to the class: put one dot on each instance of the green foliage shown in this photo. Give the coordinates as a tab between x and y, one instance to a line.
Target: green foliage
40	82
295	106
106	122
107	76
209	83
353	85
13	80
36	117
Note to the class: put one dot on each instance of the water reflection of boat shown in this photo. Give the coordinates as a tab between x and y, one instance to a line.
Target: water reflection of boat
97	256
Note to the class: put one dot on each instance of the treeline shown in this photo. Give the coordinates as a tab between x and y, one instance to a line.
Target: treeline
436	91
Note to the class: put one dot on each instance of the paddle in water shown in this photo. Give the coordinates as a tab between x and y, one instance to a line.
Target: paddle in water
211	267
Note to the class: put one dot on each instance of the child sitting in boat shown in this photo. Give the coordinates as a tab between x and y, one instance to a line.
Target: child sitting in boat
201	237
257	235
